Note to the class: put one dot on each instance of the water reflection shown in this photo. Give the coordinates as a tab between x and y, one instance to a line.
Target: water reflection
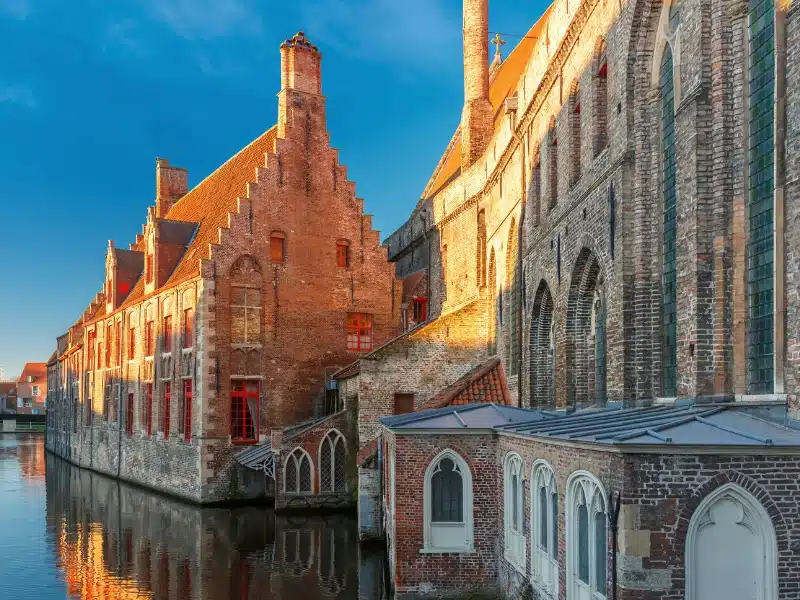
112	540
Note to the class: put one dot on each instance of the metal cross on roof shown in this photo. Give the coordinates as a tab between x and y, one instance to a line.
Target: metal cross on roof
498	42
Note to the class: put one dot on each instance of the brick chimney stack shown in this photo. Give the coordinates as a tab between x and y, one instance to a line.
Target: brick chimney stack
301	84
172	183
476	119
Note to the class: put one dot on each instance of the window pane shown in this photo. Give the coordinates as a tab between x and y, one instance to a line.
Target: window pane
543	539
305	474
325	467
238	325
291	475
237	296
600	552
554	512
338	466
583	544
514	501
253	325
446	494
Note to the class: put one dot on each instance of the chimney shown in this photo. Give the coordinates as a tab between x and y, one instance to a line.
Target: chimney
476	118
172	183
301	83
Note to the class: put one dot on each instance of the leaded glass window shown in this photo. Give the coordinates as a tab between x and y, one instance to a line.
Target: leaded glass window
544	528
331	463
447	502
297	477
587	545
760	250
583	542
669	273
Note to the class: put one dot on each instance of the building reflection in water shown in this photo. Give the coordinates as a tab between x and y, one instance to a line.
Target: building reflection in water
28	450
116	541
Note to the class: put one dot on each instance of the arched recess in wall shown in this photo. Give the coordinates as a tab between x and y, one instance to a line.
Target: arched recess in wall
512	291
731	548
246	316
600	97
481	250
584	351
574	116
552	160
491	299
542	349
535	190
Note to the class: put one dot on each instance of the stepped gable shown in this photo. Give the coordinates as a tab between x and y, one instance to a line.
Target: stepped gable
208	204
504	81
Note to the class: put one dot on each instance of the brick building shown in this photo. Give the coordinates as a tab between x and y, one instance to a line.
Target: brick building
31	389
225	317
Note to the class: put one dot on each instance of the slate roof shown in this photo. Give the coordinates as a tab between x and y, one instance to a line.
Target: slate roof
258	458
690	424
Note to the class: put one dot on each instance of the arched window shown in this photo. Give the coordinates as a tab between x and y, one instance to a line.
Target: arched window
587	538
297	473
761	242
552	151
601	98
332	463
669	244
492	341
542	346
512	285
535	192
731	548
599	329
575	134
514	502
448	504
544	527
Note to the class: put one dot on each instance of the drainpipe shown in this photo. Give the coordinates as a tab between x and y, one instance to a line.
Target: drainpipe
613	518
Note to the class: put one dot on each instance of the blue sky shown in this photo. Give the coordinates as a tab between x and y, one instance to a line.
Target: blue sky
92	91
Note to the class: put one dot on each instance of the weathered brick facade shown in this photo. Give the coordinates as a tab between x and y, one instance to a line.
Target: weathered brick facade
245	281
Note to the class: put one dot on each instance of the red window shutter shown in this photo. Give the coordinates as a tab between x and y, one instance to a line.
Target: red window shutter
148	339
167	403
359	332
188	328
168	333
132	343
276	248
342	255
244	410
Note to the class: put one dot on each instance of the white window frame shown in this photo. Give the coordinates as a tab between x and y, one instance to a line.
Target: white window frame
595	496
514	539
332	437
544	565
755	517
296	465
431	529
36	391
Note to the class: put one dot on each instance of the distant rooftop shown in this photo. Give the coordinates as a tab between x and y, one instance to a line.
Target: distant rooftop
690	424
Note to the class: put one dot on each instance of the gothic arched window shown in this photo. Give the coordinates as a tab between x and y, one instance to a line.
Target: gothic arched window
448	504
297	473
587	538
513	503
544	527
332	463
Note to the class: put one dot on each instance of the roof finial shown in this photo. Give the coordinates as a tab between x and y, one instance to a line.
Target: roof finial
498	42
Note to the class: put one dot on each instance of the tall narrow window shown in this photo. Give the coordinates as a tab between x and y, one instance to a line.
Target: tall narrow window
187	410
118	347
167	334
419	307
481	248
167	406
244	410
109	339
129	415
587	542
444	264
447	512
575	135
544	528
359	332
148	268
761	242
492	341
148	338
343	254
297	473
552	151
149	410
277	246
601	100
513	300
536	190
514	501
669	271
332	462
245	315
132	343
100	355
188	328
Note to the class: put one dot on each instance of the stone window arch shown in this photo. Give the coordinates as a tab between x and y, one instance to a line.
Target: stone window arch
731	548
544	527
447	511
514	506
512	287
574	107
587	537
298	473
332	457
667	38
600	109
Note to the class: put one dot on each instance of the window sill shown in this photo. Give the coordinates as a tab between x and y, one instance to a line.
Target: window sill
517	562
456	550
542	590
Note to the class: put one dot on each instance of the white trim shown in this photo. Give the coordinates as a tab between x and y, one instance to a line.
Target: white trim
296	465
759	523
514	544
585	481
466	497
544	565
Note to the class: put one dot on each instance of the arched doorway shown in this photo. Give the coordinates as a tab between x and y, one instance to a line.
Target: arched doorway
586	332
731	550
542	349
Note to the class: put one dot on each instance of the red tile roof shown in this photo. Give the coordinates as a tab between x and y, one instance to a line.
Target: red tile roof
35	369
484	383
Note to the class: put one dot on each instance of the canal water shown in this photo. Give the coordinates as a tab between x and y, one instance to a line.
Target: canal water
70	533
